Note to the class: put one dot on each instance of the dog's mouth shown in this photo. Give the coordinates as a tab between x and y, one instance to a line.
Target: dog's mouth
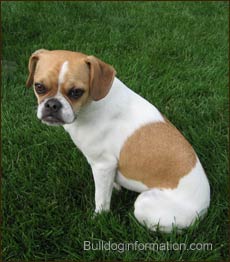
52	120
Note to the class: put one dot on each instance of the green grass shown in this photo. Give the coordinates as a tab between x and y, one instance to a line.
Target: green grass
172	53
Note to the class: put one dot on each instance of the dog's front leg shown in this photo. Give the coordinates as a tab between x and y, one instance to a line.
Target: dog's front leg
103	179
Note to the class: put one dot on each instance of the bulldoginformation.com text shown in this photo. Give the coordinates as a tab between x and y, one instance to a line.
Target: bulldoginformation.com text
121	247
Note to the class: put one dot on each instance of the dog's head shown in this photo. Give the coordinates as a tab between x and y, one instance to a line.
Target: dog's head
65	81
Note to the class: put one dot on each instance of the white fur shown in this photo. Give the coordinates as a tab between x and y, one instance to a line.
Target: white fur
100	130
109	122
61	77
180	206
130	184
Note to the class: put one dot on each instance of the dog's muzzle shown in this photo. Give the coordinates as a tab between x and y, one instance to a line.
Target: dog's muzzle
51	112
56	111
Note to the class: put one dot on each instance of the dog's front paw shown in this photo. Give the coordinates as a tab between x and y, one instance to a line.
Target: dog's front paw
98	211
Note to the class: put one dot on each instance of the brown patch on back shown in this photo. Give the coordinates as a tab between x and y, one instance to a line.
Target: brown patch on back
157	155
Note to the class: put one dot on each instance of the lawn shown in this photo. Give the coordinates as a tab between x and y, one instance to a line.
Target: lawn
175	54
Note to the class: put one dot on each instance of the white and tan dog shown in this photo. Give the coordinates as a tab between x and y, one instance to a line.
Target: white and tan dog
125	139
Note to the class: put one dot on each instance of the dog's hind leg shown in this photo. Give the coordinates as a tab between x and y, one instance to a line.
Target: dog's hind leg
179	207
155	207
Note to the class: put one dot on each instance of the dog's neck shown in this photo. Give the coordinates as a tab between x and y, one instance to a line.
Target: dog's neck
107	107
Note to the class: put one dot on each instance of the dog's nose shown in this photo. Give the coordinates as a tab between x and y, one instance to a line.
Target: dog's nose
53	105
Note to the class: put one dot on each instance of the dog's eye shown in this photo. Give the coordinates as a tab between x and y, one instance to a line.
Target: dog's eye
40	88
75	93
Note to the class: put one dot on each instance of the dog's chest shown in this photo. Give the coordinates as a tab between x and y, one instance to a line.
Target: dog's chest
83	137
94	141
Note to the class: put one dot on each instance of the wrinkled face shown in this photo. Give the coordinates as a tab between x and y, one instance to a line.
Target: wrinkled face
66	81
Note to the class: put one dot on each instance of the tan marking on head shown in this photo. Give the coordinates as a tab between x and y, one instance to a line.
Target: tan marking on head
45	67
77	76
157	155
85	72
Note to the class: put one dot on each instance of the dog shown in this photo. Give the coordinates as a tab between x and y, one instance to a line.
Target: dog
125	139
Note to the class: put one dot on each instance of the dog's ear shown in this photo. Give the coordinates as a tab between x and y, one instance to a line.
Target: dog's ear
32	66
101	76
